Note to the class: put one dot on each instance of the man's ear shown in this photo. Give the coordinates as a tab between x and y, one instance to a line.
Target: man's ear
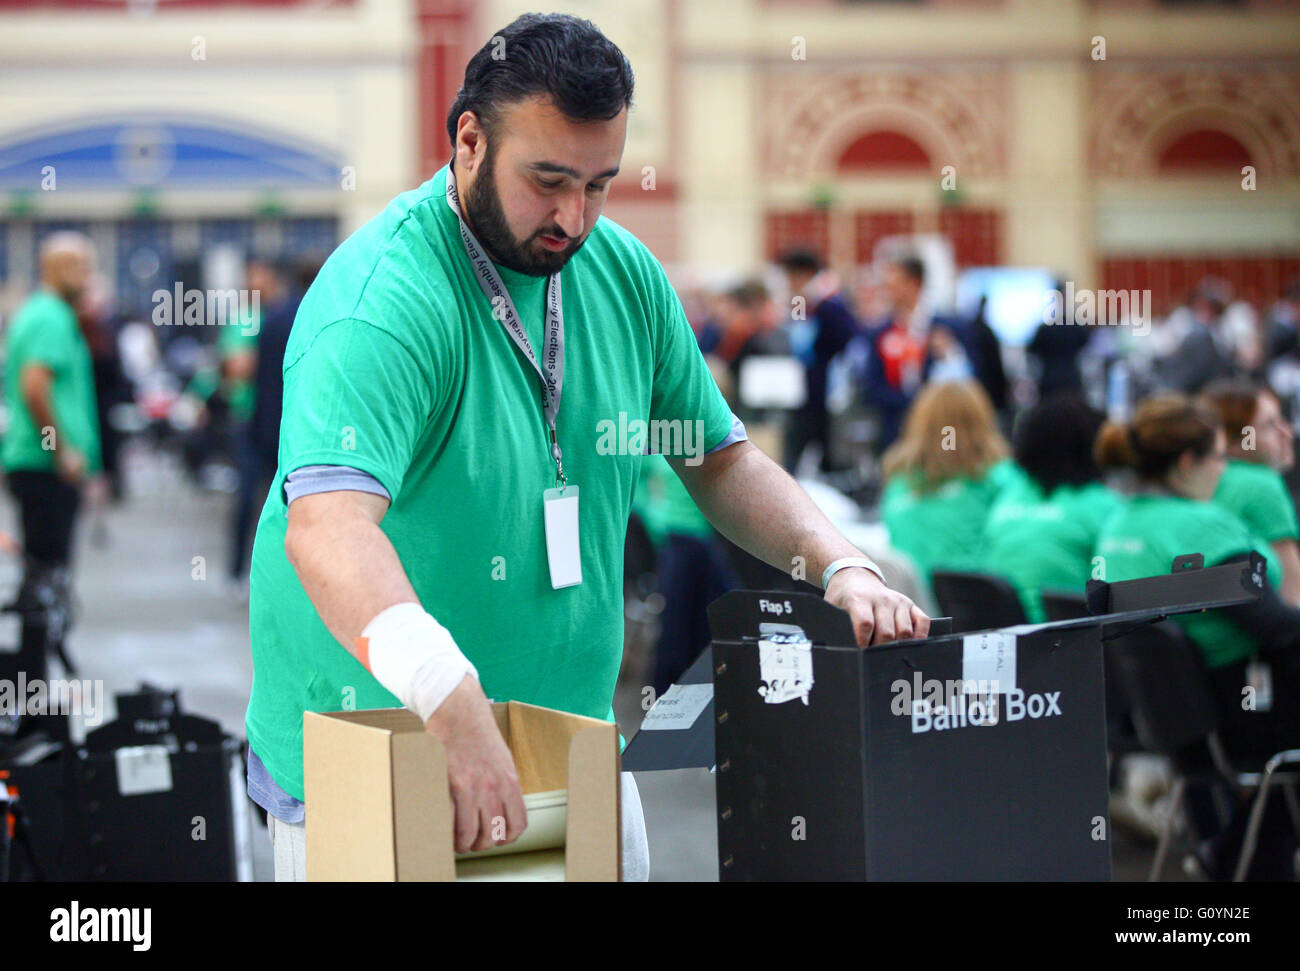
471	141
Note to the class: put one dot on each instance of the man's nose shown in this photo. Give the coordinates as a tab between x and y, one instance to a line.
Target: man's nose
570	214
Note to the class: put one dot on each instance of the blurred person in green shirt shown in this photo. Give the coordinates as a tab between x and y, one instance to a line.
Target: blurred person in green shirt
1041	531
943	475
1261	448
52	445
1178	451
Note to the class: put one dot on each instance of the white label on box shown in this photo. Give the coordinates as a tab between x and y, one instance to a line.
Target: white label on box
785	665
143	768
678	708
989	658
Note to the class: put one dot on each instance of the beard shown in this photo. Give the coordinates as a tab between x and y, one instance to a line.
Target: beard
487	220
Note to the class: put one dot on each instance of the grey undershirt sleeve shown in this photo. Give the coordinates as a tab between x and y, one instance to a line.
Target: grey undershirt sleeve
311	479
737	434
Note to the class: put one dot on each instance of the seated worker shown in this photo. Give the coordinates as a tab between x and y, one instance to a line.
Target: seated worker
1178	451
1261	447
942	477
1041	532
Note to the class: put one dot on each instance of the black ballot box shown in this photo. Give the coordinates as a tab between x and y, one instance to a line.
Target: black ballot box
960	756
155	794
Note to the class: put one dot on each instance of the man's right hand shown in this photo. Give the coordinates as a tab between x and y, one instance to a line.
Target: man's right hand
484	784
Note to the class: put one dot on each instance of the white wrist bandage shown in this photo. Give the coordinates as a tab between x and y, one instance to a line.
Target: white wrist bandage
414	657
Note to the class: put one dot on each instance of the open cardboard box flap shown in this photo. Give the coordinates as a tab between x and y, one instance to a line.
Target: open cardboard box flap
379	809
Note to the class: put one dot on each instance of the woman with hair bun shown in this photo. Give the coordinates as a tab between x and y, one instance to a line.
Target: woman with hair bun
1177	450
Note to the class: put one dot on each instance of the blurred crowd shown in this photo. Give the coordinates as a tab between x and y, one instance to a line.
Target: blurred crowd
1102	449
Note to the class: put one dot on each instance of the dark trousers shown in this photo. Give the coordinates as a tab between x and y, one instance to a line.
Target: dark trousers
808	425
256	470
47	508
692	573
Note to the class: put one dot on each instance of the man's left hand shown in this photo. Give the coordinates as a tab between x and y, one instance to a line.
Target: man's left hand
879	615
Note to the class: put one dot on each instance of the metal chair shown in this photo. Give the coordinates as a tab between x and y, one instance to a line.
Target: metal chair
1164	679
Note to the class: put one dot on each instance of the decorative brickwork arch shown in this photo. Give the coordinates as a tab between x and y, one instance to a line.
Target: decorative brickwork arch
1137	115
811	123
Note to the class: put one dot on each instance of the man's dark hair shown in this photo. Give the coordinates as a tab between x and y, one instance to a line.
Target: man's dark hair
563	57
749	293
1053	441
800	259
913	266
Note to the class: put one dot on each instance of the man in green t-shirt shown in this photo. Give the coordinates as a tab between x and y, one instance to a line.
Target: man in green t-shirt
470	387
52	444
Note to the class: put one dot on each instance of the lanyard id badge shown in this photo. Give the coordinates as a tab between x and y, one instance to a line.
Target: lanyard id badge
559	505
560	511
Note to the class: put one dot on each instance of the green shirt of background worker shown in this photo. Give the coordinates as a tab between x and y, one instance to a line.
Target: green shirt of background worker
1042	530
232	375
49	379
1178	450
1261	448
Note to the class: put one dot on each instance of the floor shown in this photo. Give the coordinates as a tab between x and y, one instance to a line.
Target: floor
153	606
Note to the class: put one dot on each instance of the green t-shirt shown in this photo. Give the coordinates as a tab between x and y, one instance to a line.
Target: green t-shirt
45	331
664	505
240	392
395	366
944	529
1145	535
1045	542
1258	496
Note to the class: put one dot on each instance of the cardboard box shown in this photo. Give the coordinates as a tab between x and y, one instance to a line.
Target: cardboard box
379	808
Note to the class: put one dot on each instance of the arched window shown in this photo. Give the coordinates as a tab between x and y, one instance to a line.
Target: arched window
877	150
1202	149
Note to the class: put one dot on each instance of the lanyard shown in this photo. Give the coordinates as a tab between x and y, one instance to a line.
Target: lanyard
503	308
